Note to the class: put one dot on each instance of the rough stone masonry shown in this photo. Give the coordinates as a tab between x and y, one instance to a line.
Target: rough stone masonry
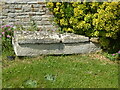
27	43
24	12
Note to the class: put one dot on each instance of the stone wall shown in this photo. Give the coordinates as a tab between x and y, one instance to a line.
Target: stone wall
23	13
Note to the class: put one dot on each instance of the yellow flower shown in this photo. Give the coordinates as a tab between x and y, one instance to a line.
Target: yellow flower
63	22
63	15
73	20
50	4
70	30
61	11
58	3
81	11
75	11
56	9
96	33
75	4
81	24
64	29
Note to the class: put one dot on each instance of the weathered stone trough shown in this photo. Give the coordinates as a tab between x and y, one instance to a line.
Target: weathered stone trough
29	43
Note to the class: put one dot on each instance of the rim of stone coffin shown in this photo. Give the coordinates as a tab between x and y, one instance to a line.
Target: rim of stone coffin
42	37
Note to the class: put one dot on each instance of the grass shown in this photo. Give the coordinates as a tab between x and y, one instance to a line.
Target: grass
71	71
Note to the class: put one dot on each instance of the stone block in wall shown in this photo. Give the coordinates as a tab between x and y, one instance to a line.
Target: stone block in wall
22	14
11	6
5	14
0	9
16	2
41	2
25	23
22	23
10	10
48	27
35	13
36	18
12	15
4	6
47	16
26	8
11	20
18	11
36	5
19	6
35	9
44	8
44	22
3	20
3	17
10	23
32	2
41	9
40	13
45	19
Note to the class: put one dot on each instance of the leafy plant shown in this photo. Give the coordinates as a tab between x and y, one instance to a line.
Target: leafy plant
50	77
30	84
114	56
33	26
6	36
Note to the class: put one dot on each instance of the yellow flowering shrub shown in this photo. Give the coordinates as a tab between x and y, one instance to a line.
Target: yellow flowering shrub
93	19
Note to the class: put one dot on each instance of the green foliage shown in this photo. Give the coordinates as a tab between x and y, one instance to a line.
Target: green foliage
93	19
33	26
6	37
114	56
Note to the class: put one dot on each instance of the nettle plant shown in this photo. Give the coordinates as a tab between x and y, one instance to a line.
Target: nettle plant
6	36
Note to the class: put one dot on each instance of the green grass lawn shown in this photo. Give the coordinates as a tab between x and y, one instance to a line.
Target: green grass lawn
71	71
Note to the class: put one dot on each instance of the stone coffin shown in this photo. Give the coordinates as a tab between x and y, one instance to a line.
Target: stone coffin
29	43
